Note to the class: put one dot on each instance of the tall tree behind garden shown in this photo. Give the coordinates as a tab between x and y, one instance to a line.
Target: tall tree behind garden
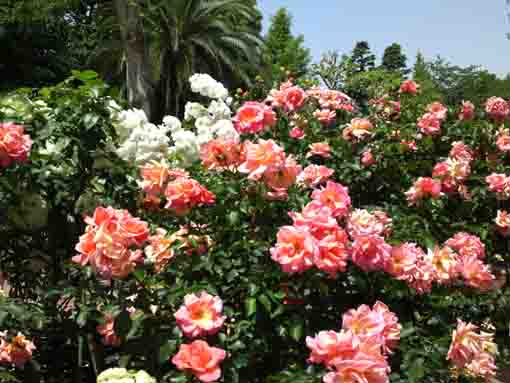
394	59
362	57
333	69
189	36
283	50
422	75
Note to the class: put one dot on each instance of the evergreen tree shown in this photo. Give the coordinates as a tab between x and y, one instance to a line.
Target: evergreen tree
394	59
423	76
362	57
283	50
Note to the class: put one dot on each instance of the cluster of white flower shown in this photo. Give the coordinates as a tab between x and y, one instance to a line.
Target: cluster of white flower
121	375
141	141
214	121
207	86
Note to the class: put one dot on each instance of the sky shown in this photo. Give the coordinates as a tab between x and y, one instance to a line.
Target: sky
465	32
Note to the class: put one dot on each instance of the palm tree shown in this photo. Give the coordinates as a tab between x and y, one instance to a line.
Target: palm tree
188	36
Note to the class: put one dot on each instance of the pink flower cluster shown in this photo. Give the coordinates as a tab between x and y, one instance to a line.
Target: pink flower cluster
451	174
200	315
181	192
16	352
14	144
358	353
503	140
473	352
289	97
108	242
222	154
330	100
254	117
460	257
430	122
267	161
316	238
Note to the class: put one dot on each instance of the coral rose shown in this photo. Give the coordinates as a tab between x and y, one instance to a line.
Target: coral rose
183	194
321	149
409	87
467	112
358	129
370	252
336	197
254	117
107	331
295	249
201	360
503	222
260	157
438	110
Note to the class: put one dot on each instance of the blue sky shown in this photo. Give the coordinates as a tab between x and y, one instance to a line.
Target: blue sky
462	31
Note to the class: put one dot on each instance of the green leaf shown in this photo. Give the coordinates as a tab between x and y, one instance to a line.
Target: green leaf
250	305
296	331
265	302
122	323
166	350
85	75
406	332
416	372
90	120
6	377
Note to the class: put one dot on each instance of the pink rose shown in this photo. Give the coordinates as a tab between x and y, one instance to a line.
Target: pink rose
497	108
254	117
295	249
429	124
200	315
409	87
201	360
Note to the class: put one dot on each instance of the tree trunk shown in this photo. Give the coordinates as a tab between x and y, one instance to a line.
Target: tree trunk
139	86
169	94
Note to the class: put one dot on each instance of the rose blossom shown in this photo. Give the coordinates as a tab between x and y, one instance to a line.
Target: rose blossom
361	222
358	129
321	149
404	260
183	194
333	252
14	144
295	249
261	156
367	158
335	196
201	360
445	263
409	87
221	154
429	124
467	245
467	112
107	242
297	133
476	274
422	188
314	175
254	117
503	140
325	116
159	249
107	331
280	178
327	345
17	352
461	152
473	352
503	222
200	315
438	110
370	252
497	108
316	219
500	184
409	145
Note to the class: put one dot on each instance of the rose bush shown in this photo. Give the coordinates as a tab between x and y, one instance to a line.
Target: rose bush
287	237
